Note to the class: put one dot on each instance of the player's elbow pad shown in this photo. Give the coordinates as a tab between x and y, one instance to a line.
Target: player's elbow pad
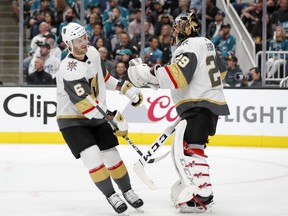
110	82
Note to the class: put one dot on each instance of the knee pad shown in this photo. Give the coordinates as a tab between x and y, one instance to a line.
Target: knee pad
193	171
92	157
111	157
116	168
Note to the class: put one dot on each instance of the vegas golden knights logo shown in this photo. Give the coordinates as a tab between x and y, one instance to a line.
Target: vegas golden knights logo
72	65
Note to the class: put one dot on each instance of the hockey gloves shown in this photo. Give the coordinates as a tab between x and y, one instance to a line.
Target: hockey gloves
132	93
140	76
154	69
135	61
122	126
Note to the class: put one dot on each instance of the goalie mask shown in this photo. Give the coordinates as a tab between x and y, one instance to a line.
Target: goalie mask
185	25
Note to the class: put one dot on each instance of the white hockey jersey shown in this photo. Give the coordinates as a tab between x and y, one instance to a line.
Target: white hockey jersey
195	77
75	80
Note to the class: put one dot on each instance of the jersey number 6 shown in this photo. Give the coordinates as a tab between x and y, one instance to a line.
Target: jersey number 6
79	89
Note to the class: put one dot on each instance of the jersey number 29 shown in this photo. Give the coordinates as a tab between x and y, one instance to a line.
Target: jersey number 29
213	72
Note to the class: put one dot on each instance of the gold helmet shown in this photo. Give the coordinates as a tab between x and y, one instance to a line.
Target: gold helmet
185	25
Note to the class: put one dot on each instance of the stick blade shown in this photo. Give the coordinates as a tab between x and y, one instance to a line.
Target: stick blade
155	160
141	173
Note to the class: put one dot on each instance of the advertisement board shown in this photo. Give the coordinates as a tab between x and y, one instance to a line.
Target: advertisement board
257	117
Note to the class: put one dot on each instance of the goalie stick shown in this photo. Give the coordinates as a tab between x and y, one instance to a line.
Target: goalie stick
152	160
140	164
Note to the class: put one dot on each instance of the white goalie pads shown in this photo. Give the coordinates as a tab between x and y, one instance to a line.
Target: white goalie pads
140	75
193	171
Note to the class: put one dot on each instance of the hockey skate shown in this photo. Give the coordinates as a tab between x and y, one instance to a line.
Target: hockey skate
197	205
117	203
133	200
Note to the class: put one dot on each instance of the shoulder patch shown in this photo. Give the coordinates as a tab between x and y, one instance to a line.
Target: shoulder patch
71	65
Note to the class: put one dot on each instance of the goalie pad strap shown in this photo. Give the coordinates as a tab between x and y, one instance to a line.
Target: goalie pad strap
199	202
193	163
191	151
204	185
200	174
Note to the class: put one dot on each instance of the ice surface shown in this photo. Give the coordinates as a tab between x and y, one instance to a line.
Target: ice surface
45	180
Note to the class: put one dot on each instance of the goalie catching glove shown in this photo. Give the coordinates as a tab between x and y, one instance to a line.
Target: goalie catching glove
122	126
140	75
135	61
132	93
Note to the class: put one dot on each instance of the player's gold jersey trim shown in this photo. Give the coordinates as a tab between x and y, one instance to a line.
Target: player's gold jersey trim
197	100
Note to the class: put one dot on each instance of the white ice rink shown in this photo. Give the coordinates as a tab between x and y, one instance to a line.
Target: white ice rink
45	180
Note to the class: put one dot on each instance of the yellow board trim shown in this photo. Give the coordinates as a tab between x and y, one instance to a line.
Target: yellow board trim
141	138
31	137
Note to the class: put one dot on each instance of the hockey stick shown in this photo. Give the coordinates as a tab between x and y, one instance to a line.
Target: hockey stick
139	165
152	160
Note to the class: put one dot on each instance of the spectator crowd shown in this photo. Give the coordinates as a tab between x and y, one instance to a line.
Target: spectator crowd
276	31
114	28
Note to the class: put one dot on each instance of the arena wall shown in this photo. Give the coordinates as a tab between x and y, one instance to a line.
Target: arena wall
259	117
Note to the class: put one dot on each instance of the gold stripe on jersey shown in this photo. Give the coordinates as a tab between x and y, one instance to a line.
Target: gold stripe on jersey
94	86
127	86
223	74
84	105
99	174
118	171
177	75
198	100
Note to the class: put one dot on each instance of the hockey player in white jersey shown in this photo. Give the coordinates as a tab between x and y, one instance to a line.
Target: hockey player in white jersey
85	130
195	78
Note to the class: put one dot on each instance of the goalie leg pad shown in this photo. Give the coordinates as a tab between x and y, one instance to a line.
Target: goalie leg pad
193	172
181	193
